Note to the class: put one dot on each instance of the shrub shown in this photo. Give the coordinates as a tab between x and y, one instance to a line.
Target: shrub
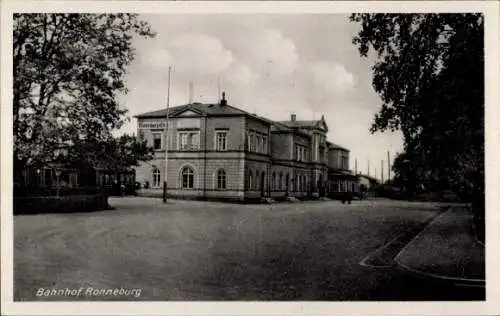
61	204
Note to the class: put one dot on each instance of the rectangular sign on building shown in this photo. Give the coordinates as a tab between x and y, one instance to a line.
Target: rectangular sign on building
151	124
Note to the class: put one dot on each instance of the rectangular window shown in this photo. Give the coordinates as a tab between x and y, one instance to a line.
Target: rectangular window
220	141
248	142
182	141
157	141
41	176
264	144
258	143
195	141
73	179
189	141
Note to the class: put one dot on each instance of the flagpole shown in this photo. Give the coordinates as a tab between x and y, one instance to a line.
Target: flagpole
382	171
165	182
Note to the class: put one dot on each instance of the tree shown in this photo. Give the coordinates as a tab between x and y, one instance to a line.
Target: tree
429	73
68	72
119	153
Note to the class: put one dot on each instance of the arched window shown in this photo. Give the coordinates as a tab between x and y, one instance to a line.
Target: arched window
156	178
221	179
250	180
273	184
280	184
187	178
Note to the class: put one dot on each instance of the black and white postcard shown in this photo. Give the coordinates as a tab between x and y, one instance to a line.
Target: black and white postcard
250	158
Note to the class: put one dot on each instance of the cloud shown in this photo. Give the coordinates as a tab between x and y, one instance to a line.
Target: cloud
157	58
190	54
269	52
240	75
332	77
200	54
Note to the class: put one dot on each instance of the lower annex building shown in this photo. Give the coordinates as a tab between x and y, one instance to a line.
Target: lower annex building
218	151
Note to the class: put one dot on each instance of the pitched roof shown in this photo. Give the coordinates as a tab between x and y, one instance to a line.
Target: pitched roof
310	124
301	124
335	146
202	109
278	127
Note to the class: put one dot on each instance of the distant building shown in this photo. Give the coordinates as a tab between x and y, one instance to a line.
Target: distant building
221	151
366	182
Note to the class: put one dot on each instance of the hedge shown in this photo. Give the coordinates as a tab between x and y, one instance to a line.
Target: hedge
61	204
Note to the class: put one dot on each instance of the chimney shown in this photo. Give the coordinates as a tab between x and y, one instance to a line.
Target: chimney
223	101
293	117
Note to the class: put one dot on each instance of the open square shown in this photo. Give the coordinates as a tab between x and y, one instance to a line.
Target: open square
188	250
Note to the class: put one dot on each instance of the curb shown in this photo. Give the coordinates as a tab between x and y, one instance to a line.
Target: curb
474	228
364	263
479	283
456	281
421	227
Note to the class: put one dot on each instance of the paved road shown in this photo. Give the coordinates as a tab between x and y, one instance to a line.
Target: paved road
214	251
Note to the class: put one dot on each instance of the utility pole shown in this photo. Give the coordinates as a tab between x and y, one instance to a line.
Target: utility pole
368	167
166	141
382	170
355	166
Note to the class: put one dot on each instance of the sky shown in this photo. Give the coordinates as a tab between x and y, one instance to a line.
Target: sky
273	65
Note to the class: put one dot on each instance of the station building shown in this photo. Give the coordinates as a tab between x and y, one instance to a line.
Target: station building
218	151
